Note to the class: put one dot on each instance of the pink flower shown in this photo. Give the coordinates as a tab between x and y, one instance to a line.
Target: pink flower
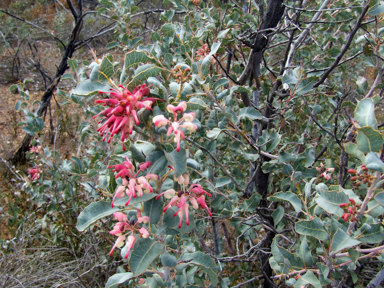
119	243
160	121
324	171
141	281
142	219
168	194
143	232
35	149
178	109
130	244
34	173
195	195
126	229
122	112
174	127
132	183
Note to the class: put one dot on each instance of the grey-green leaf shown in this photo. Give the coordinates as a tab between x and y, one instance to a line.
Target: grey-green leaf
143	255
94	212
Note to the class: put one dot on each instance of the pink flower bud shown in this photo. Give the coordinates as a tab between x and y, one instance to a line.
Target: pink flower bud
160	121
188	117
145	165
143	232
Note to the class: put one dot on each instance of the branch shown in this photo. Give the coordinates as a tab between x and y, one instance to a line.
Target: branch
214	159
304	34
32	24
345	46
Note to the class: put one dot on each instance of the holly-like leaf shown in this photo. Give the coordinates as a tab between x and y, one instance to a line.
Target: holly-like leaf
103	72
314	228
143	255
287	197
94	212
142	76
304	87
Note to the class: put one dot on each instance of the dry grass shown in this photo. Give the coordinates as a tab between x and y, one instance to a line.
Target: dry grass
23	265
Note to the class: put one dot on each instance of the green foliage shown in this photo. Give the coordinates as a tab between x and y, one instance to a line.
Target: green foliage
293	171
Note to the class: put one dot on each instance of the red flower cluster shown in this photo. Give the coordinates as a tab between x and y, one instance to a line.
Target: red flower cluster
34	173
350	210
124	225
195	196
122	112
363	177
132	184
175	126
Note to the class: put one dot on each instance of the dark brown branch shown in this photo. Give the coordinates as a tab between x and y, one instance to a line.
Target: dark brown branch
345	47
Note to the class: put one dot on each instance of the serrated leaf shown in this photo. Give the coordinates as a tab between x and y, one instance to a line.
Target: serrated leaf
365	113
287	197
119	278
103	72
314	228
369	140
252	203
142	76
143	255
136	57
94	212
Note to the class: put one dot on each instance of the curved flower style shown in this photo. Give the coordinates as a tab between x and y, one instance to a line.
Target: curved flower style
133	185
34	173
195	196
124	225
122	112
184	122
